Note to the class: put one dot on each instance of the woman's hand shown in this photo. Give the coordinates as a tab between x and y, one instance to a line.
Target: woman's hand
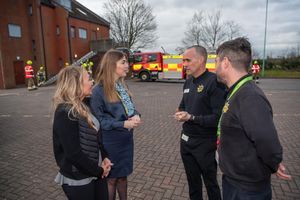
135	117
132	122
106	165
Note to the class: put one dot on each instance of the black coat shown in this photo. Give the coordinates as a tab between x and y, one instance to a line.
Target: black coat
76	146
249	150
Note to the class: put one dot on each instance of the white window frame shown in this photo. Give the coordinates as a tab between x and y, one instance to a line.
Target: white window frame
57	30
73	32
14	30
82	33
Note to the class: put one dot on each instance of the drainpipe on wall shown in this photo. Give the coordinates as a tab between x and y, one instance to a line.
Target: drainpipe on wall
69	41
2	67
43	39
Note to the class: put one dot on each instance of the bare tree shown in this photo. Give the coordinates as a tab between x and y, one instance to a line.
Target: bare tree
132	23
193	34
291	52
209	30
255	54
233	30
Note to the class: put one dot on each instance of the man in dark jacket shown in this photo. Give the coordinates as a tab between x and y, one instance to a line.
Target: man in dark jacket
200	109
249	150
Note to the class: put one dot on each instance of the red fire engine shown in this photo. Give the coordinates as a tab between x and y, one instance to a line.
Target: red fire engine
157	66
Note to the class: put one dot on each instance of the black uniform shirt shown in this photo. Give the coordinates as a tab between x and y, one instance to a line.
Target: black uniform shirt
204	98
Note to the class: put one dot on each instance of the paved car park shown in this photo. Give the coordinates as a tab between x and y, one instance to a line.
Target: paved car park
27	165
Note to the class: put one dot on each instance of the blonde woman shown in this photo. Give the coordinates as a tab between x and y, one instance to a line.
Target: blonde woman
78	150
111	102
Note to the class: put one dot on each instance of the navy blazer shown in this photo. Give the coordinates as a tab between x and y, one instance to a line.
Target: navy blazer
110	115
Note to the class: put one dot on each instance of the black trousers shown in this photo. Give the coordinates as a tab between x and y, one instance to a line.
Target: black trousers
198	156
96	190
231	192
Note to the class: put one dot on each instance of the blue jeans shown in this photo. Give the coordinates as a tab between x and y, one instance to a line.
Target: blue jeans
231	192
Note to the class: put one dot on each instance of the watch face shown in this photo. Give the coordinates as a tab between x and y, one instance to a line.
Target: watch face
192	117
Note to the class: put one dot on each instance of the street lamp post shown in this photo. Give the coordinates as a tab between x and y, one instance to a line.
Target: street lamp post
264	58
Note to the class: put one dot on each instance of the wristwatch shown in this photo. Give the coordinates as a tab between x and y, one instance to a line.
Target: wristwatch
192	118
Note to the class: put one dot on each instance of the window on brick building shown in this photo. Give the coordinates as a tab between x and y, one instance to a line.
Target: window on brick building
14	30
73	34
60	63
30	9
33	45
57	30
82	33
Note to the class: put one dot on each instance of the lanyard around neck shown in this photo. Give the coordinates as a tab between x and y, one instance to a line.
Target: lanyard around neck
124	106
235	89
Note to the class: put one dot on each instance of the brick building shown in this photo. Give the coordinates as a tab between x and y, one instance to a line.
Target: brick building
48	32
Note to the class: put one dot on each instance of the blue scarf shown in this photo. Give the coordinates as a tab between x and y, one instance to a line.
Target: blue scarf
125	99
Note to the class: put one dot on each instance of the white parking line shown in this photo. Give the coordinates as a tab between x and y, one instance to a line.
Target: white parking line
5	115
286	114
9	94
25	116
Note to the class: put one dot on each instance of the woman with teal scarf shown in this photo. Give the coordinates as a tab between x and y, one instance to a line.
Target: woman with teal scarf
112	105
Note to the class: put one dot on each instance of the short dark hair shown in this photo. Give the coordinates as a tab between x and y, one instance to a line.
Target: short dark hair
238	51
200	50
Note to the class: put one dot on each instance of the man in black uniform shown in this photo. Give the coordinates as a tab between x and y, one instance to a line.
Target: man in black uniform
200	109
249	149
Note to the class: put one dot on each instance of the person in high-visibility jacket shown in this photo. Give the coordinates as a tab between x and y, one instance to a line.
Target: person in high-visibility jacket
255	71
29	75
41	76
84	65
90	68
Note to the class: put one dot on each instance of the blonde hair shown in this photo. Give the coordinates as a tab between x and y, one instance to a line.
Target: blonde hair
69	90
105	74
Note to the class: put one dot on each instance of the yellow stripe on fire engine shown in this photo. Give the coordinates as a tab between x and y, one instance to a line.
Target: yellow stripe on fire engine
172	56
172	67
211	56
137	67
155	66
210	65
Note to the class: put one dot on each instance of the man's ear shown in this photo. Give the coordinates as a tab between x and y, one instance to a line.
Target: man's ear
226	62
201	59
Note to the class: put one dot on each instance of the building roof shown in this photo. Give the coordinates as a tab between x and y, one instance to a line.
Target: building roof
80	12
47	3
77	11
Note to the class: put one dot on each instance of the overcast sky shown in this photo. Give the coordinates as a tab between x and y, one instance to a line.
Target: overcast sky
283	29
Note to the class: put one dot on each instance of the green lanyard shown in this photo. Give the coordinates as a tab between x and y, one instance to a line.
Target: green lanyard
225	108
124	106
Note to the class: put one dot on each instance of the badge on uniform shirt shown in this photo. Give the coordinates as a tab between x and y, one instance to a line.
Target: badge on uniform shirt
200	88
186	91
225	108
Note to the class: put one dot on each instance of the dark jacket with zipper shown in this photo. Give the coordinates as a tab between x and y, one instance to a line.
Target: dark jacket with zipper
249	149
76	145
204	98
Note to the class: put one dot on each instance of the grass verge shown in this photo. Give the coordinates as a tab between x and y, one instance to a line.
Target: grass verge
281	74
